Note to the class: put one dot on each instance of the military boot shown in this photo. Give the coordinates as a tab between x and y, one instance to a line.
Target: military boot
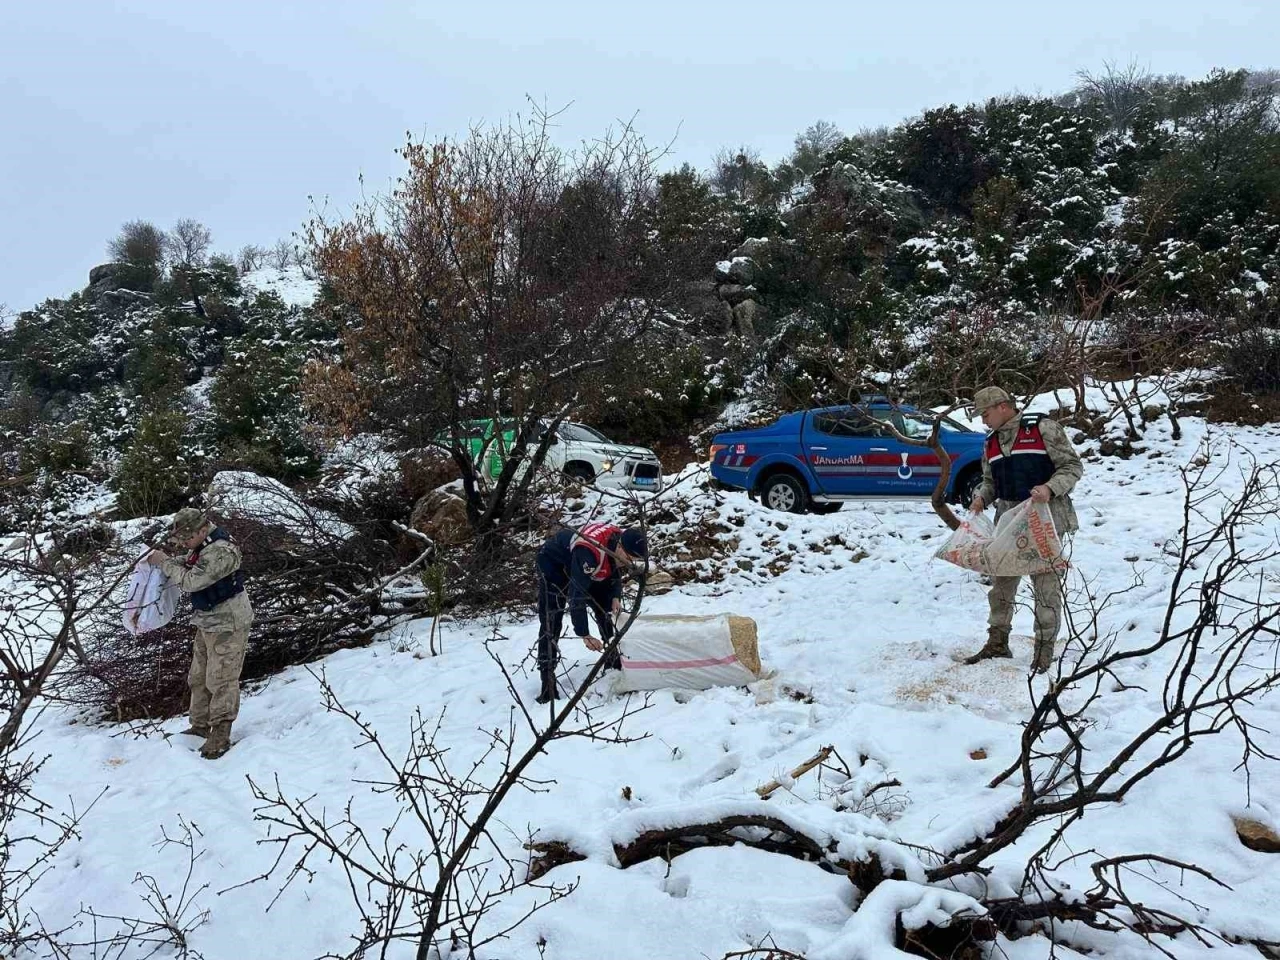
997	645
219	741
195	730
549	690
1043	659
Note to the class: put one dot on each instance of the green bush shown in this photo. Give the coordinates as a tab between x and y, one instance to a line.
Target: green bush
154	474
256	409
139	248
58	448
57	346
661	392
154	366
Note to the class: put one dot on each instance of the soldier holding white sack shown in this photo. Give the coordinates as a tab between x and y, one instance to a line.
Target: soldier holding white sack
211	574
1027	456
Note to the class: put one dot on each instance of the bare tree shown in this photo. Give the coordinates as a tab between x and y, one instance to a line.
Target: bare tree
172	917
188	243
46	591
283	255
1153	349
251	257
1119	91
49	595
871	137
1219	637
811	146
494	288
739	173
1264	79
31	835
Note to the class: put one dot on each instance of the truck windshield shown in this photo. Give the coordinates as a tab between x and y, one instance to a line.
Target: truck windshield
581	433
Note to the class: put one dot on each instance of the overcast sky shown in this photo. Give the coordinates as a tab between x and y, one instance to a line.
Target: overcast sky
237	112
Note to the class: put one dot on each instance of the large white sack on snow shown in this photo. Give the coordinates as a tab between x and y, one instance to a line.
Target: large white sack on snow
1025	542
151	601
688	652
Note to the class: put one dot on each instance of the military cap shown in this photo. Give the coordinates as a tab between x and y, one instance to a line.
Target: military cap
187	522
988	397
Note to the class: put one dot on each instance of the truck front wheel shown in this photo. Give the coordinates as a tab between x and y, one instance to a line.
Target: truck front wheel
967	486
782	491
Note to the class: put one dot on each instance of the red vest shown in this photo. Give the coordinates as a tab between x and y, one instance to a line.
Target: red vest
595	537
1026	465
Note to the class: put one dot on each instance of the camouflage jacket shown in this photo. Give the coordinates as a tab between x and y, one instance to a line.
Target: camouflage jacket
215	561
1066	474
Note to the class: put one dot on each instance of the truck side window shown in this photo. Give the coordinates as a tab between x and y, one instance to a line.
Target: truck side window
847	423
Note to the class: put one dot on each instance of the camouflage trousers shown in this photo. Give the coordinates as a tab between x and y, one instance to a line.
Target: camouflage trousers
216	661
1046	591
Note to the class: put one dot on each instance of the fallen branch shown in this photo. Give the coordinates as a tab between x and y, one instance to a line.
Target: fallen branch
772	834
766	790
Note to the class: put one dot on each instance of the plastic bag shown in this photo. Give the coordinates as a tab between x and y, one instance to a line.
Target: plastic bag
151	601
689	652
1025	542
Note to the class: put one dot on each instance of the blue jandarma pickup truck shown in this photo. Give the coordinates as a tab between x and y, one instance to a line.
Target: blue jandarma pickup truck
816	459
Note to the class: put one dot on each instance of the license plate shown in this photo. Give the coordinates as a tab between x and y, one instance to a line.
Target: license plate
644	481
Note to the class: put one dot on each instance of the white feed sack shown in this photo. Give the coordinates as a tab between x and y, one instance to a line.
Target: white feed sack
1025	542
152	600
689	652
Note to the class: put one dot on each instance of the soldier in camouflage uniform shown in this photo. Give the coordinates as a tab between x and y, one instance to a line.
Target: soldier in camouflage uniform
1027	456
210	573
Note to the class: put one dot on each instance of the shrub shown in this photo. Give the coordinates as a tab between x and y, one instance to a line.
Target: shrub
1251	357
154	367
153	474
662	393
58	448
57	346
141	245
257	411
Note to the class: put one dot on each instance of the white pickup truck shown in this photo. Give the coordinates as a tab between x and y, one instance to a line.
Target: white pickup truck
585	454
576	451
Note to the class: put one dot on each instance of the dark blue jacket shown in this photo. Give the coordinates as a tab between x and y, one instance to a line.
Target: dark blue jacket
573	570
226	588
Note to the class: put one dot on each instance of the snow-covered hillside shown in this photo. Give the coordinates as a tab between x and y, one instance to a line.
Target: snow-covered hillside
294	285
861	626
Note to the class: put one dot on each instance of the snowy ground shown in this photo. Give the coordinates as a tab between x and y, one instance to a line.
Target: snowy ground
293	285
861	636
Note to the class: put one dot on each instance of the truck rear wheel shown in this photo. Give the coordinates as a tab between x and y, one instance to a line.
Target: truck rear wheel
785	492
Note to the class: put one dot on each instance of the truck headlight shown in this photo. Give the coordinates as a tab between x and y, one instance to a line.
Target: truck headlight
606	465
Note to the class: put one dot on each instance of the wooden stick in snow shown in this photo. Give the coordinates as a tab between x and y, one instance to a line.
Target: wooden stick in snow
773	785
